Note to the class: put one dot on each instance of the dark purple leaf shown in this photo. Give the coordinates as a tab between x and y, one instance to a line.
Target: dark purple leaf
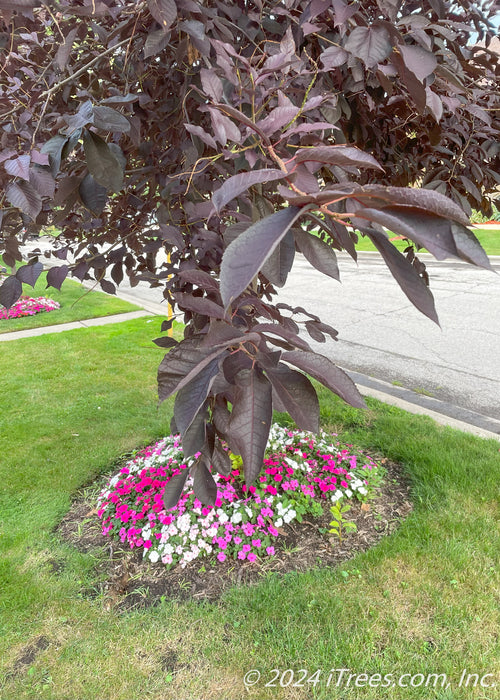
404	274
282	332
328	374
243	259
201	134
297	395
165	341
81	270
234	363
314	331
120	99
164	12
19	167
42	181
108	287
172	235
251	420
333	57
468	246
434	104
235	185
243	119
426	230
39	158
117	273
102	163
194	439
84	116
417	59
221	333
200	278
56	276
23	196
53	148
427	200
318	253
211	84
204	486
224	128
174	488
182	364
277	119
64	50
93	195
221	417
191	398
371	44
6	154
221	461
109	119
18	4
200	305
10	291
279	263
156	42
308	128
390	8
337	155
28	274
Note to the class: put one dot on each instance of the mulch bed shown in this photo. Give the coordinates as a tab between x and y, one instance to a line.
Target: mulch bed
129	582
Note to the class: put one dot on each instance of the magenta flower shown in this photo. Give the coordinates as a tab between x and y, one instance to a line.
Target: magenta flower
133	502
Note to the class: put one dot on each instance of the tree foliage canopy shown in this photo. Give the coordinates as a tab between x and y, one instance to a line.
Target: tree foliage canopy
224	133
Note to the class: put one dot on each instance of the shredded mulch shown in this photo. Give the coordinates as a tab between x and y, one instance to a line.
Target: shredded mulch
128	582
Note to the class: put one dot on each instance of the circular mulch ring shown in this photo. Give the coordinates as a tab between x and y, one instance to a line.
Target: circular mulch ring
130	582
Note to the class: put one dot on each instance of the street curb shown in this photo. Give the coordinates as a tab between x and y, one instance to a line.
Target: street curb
415	408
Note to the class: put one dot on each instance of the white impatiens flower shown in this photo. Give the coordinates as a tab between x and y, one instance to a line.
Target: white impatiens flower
291	515
153	556
236	518
278	522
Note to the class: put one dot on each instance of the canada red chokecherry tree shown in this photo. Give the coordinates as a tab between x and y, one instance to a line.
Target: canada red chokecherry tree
232	134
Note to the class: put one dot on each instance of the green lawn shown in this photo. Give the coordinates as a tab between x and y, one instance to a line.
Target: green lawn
489	239
77	304
425	600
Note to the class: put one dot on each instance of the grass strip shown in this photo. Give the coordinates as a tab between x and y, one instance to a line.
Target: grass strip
422	602
488	238
77	304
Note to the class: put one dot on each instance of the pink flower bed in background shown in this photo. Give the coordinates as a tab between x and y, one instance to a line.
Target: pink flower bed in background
28	306
302	473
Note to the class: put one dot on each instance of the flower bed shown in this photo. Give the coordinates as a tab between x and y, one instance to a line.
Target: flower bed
302	474
28	306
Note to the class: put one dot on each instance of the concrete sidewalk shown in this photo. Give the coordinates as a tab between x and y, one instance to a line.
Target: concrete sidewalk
60	327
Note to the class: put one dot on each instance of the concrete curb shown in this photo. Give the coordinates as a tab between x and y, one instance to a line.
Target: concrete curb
440	418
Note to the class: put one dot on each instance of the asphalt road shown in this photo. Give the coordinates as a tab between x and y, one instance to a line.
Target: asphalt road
383	336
